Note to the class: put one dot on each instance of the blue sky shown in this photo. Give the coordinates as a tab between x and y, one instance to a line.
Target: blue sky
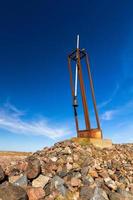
35	97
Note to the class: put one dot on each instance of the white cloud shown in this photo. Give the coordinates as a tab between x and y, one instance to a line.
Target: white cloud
108	115
120	127
11	108
12	121
122	111
105	103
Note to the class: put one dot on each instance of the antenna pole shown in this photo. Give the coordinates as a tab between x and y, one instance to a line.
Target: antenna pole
76	71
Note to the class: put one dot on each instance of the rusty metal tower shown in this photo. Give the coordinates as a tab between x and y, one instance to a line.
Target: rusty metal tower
77	56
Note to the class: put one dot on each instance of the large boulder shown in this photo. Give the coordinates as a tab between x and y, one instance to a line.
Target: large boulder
11	192
34	167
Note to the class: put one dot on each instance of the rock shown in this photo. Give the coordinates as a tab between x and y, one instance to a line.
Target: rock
71	196
5	183
98	168
62	173
118	196
86	192
110	183
67	151
58	183
84	171
76	167
57	180
54	159
77	174
69	159
103	174
20	180
123	179
2	174
40	181
12	179
48	189
69	167
22	165
34	168
35	193
99	194
75	157
131	187
126	194
48	168
75	182
93	173
110	172
13	193
87	180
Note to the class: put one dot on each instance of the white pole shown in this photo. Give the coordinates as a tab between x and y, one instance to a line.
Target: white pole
77	41
76	71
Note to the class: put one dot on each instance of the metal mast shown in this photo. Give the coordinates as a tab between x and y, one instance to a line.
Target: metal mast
76	56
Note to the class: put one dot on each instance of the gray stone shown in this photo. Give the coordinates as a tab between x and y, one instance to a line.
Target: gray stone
58	183
57	180
62	173
22	181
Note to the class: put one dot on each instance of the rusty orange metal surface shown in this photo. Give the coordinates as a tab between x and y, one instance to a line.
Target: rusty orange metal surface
92	133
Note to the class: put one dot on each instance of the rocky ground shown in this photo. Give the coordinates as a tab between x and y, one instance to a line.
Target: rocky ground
7	157
69	171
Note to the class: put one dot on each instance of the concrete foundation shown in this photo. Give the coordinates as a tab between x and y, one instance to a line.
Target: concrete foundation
101	143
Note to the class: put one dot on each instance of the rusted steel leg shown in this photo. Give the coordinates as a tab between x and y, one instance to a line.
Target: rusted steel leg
86	115
71	79
92	92
72	88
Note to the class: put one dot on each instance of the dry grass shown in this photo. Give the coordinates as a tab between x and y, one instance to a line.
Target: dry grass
14	153
7	157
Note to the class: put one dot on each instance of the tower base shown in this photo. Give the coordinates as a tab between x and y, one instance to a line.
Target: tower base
92	133
101	143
